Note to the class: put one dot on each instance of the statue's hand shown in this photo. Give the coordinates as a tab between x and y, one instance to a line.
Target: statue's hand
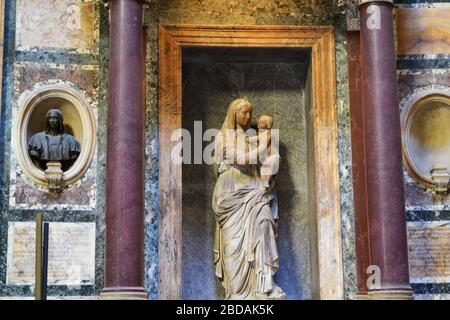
276	228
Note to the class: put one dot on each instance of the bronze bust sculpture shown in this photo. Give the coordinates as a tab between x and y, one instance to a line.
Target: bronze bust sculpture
53	144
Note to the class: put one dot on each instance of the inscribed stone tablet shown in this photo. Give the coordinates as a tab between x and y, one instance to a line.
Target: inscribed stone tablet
429	251
71	253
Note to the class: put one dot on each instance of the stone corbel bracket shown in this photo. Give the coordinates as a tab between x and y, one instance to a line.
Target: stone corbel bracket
54	176
441	180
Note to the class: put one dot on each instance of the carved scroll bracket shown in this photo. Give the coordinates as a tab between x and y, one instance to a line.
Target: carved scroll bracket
54	176
441	180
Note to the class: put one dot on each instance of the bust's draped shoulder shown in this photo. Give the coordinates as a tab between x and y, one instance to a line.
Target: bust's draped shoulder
38	147
36	144
71	147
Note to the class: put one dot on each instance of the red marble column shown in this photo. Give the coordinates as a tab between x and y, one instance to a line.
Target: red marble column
124	260
358	163
385	191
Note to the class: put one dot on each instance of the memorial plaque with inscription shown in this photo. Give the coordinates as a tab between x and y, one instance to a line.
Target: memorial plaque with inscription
21	253
429	251
71	253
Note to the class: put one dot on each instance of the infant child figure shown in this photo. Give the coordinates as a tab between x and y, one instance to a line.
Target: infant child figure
271	161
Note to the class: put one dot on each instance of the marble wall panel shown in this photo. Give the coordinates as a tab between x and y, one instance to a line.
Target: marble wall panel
56	25
24	194
71	253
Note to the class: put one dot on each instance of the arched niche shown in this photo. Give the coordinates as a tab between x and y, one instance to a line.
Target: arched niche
79	121
426	139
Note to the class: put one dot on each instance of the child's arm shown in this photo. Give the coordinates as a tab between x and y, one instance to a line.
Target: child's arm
243	158
253	139
264	136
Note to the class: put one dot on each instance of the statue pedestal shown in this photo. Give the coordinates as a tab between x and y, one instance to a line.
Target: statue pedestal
54	176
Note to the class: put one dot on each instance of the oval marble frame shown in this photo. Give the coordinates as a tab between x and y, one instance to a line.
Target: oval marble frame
27	102
409	108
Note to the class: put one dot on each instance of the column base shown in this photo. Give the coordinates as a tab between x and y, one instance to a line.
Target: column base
390	295
362	296
123	293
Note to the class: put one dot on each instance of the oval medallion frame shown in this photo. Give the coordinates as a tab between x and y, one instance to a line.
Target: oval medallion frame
27	103
411	107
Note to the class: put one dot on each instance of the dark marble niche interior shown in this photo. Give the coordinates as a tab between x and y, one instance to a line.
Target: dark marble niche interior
275	82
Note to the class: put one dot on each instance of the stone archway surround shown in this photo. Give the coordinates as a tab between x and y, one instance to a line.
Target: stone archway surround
327	264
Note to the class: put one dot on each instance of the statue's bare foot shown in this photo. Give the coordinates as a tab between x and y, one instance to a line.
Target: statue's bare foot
276	294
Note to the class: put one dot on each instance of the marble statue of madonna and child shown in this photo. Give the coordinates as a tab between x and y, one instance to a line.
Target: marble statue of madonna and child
245	207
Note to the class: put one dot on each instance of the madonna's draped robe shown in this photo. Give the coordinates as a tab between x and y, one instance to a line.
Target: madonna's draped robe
245	252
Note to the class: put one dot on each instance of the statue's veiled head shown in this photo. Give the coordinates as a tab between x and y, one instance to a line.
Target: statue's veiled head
239	115
54	121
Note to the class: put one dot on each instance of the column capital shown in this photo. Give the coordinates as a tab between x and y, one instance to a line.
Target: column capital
144	2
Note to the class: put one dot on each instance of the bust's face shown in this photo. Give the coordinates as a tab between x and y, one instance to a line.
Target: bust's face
53	120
